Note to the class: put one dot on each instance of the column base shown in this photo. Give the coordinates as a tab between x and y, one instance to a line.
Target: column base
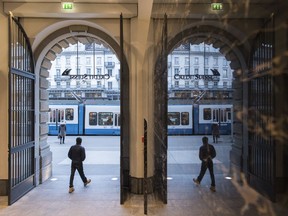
137	185
3	187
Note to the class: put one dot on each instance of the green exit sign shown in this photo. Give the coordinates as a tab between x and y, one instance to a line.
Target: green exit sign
67	5
217	6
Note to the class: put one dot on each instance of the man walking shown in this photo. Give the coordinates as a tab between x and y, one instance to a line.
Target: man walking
206	154
77	155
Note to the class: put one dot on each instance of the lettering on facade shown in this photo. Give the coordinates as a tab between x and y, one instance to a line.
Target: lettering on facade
197	77
214	77
89	77
85	76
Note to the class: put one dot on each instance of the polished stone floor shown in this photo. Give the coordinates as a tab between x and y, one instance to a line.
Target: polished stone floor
102	196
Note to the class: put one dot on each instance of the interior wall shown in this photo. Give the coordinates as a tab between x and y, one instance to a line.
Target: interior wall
4	90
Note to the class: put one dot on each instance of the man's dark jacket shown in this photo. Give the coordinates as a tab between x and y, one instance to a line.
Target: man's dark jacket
77	153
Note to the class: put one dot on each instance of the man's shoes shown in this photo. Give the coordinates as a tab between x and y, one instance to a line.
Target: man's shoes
196	181
71	189
213	189
86	183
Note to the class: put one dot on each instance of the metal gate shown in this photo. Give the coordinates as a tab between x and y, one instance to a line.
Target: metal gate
125	125
262	161
21	113
160	119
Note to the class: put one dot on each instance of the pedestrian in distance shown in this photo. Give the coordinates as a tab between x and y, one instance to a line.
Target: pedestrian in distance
62	132
206	154
215	132
77	155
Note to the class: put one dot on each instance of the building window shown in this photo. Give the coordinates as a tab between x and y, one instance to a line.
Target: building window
98	71
225	63
225	73
225	84
88	60
196	60
58	62
215	84
176	60
68	84
196	71
68	60
78	71
176	71
78	60
205	71
109	85
98	84
206	84
99	61
78	84
197	48
88	71
88	84
110	72
215	61
196	84
187	71
58	72
187	84
58	84
176	84
206	61
187	61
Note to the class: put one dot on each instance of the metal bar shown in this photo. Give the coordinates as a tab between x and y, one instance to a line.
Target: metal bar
145	169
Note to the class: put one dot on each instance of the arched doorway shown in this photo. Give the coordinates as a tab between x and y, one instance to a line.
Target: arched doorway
45	52
231	46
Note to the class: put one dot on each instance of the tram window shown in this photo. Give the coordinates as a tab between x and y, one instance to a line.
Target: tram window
173	118
185	118
105	118
69	114
207	113
117	119
54	116
228	113
223	115
215	115
92	118
60	116
51	114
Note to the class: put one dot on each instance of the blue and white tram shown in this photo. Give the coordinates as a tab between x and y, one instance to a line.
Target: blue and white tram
210	114
64	113
180	120
102	120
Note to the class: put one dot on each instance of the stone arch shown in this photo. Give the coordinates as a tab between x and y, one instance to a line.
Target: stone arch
234	46
53	40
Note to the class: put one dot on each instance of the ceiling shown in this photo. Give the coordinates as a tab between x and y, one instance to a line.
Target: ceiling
194	9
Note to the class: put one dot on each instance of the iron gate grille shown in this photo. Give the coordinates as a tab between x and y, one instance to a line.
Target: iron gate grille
261	113
21	113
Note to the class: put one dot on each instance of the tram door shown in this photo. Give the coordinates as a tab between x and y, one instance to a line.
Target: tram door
21	113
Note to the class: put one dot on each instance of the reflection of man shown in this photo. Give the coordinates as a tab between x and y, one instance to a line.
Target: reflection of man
109	121
206	154
169	121
215	132
184	120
